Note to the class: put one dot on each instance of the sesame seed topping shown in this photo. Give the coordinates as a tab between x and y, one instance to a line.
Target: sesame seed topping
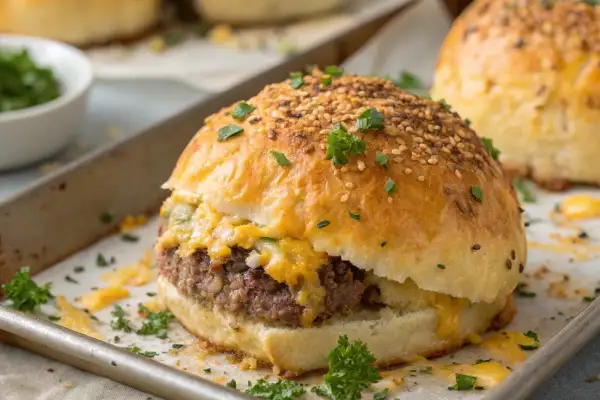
508	264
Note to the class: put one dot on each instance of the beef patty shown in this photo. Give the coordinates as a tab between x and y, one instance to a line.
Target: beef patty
237	288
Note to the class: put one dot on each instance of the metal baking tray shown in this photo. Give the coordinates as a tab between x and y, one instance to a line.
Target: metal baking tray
58	217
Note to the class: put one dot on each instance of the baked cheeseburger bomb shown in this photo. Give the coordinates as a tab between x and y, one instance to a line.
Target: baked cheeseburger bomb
526	73
338	205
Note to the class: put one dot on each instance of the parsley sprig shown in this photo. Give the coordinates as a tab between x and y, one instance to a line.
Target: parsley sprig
370	119
24	294
156	323
464	382
408	81
120	323
280	390
351	371
341	144
489	147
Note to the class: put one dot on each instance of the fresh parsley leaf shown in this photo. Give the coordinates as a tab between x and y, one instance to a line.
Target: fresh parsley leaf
106	217
79	269
370	119
521	292
137	350
119	322
408	81
381	159
350	372
525	195
323	224
150	294
229	131
531	334
156	323
446	106
53	318
280	158
589	299
477	193
232	384
241	110
268	239
489	147
24	294
480	361
354	216
71	280
341	144
390	186
326	80
383	395
464	382
334	70
178	346
280	390
102	261
468	123
441	266
296	80
529	347
128	237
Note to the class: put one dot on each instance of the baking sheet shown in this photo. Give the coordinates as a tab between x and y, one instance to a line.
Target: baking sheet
551	258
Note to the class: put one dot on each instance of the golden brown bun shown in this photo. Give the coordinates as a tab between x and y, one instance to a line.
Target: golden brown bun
527	76
79	22
431	219
299	350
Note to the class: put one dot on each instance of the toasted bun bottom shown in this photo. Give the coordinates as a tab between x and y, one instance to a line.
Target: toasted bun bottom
393	337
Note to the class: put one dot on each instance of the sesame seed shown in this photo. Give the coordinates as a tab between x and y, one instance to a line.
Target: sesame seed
508	264
408	171
344	198
361	165
344	169
432	161
390	200
349	185
396	152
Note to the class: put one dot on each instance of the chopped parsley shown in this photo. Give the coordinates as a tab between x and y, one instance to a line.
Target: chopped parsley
441	266
119	322
468	124
477	193
280	158
381	159
71	280
102	261
531	334
341	144
24	294
446	106
150	294
591	2
137	350
229	131
323	224
390	186
350	372
464	382
589	299
408	81
383	243
117	339
521	292
354	216
156	323
232	384
525	195
106	217
241	110
280	390
480	361
268	239
207	370
79	269
128	237
383	395
178	346
296	80
489	147
534	336
326	80
370	119
53	318
334	70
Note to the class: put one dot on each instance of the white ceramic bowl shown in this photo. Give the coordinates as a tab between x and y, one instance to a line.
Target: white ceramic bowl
35	133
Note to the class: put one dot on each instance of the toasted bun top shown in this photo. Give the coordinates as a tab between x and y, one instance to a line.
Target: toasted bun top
431	228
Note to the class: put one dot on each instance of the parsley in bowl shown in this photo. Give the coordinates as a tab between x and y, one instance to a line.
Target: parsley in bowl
24	83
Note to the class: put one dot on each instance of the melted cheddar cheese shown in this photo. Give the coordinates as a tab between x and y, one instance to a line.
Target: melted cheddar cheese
489	374
506	345
75	319
155	305
448	311
580	206
101	298
132	275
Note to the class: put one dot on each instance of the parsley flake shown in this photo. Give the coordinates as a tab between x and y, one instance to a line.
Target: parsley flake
79	269
477	193
390	186
178	346
296	80
280	158
150	294
591	2
323	224
241	110
383	243
383	395
232	384
268	239
24	294
441	266
156	323
102	261
106	217
137	350
489	147
524	193
408	81
326	80
480	361
521	292
280	390
354	216
531	334
468	122
334	70
341	144
53	318
381	159
446	106
589	299
119	323
229	131
535	345
350	372
370	119
71	280
207	370
464	382
128	237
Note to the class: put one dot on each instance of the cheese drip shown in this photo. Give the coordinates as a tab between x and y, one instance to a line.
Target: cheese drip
192	227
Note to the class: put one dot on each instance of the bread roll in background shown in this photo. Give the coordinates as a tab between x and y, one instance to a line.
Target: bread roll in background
527	75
